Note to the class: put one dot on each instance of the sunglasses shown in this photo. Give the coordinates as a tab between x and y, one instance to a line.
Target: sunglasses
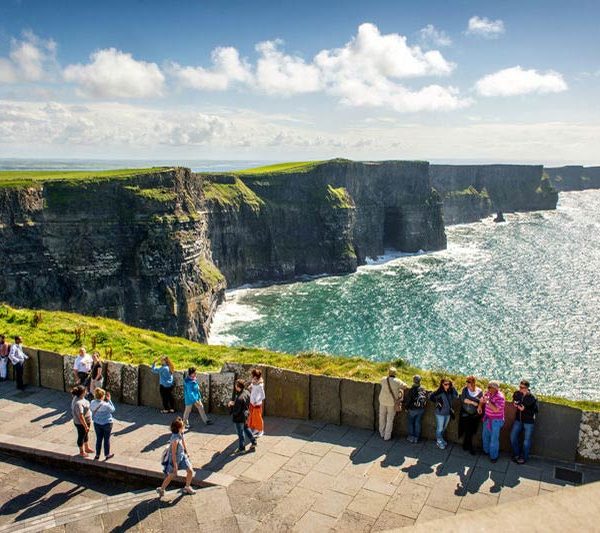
522	387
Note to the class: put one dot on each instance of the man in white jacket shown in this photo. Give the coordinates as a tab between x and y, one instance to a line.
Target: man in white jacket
18	357
392	389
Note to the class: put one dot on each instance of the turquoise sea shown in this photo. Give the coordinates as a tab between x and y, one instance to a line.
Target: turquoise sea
512	300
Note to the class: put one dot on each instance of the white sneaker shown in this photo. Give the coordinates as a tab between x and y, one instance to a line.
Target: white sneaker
160	491
189	490
440	444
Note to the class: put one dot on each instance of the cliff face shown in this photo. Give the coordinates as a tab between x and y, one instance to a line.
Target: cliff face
472	192
328	219
134	249
574	177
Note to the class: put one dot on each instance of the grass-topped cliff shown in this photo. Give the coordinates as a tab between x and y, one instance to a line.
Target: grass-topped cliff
65	332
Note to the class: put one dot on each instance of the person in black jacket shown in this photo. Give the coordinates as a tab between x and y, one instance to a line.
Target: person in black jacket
240	410
443	398
527	407
469	417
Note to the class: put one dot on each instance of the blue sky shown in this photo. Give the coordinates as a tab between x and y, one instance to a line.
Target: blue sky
443	81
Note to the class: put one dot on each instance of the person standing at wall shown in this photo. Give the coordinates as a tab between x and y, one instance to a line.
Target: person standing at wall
492	407
468	422
166	372
193	397
240	410
390	402
4	350
416	400
96	378
443	398
176	458
82	367
82	418
527	408
102	415
18	357
257	397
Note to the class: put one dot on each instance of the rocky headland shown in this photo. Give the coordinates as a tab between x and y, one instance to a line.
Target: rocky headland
574	177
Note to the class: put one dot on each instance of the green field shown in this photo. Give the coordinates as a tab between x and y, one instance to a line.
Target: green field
64	332
280	168
30	178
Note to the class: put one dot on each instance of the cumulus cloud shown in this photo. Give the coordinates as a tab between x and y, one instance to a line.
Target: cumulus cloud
431	36
112	73
30	59
484	27
227	68
516	80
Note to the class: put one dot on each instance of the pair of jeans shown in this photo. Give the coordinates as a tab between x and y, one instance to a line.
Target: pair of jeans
19	376
441	423
243	431
103	432
82	435
415	416
166	394
491	437
515	434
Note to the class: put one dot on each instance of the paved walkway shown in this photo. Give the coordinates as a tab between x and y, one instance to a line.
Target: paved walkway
304	475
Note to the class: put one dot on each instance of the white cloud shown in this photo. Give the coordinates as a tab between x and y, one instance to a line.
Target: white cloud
279	73
430	35
484	27
30	59
115	74
227	68
516	80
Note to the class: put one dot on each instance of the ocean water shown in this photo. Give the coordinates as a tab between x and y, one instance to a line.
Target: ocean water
513	300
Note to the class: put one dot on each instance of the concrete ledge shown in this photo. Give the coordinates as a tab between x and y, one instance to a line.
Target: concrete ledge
69	376
130	385
31	373
325	403
113	380
51	370
221	389
149	391
287	393
357	403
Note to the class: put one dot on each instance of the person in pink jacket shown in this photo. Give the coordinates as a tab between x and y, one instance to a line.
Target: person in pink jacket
492	407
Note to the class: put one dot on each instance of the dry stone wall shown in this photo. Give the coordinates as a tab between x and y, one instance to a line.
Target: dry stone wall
588	448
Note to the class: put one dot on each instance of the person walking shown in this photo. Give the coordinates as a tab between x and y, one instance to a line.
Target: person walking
17	357
390	402
443	398
257	397
240	410
102	410
96	378
176	458
527	409
4	350
82	418
193	397
416	400
82	367
492	407
468	422
165	372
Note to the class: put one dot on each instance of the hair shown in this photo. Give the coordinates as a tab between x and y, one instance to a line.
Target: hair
18	338
240	384
82	349
99	393
442	381
525	383
176	425
96	353
77	390
392	371
169	364
256	373
191	370
471	379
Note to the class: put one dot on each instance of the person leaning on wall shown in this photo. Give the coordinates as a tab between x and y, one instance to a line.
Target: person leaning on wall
527	408
391	395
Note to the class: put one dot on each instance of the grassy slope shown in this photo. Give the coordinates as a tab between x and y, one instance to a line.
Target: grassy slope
280	168
29	178
57	331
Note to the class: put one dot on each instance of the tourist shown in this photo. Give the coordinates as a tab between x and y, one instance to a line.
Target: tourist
443	398
390	402
96	378
82	418
468	422
166	372
102	410
492	406
82	367
527	407
193	397
18	357
257	396
416	399
176	458
240	410
4	350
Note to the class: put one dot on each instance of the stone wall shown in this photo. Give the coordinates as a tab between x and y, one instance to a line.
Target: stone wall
588	448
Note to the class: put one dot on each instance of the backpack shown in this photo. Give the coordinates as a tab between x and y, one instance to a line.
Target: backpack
419	400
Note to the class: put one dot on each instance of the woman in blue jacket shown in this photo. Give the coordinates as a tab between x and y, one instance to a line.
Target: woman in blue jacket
191	397
165	376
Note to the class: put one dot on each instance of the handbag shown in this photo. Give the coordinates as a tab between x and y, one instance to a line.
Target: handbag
397	401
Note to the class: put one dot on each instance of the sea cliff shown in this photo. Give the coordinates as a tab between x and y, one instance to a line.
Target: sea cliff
574	177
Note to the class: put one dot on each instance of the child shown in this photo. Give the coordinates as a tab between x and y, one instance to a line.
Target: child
191	397
165	376
176	458
257	396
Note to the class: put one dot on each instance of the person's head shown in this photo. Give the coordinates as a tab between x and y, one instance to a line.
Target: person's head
417	380
78	390
177	425
192	372
392	372
99	394
240	385
18	339
493	386
256	374
82	351
524	386
445	384
2	337
96	356
471	382
166	361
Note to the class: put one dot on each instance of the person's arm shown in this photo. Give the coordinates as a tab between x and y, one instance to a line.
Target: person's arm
184	446
110	405
154	369
83	421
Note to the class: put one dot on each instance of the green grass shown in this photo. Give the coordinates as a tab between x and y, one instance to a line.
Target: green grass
469	191
64	332
31	178
339	197
210	273
232	194
157	194
281	168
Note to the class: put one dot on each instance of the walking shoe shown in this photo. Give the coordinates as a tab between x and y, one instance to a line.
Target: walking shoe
520	461
209	422
409	438
189	490
260	434
253	447
239	451
160	491
494	460
440	444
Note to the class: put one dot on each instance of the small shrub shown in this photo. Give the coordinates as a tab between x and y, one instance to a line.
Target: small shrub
36	319
79	332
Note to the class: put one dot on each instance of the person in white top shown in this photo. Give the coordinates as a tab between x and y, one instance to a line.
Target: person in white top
18	357
257	396
82	367
392	389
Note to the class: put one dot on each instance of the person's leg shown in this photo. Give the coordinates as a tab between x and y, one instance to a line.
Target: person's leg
19	376
170	399
439	428
418	423
389	423
239	427
99	437
80	436
248	433
527	440
166	481
107	432
164	398
469	426
485	437
189	474
495	439
382	420
200	408
412	415
515	434
186	414
446	422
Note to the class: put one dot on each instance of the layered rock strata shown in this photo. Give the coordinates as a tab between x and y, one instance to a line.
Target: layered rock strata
574	177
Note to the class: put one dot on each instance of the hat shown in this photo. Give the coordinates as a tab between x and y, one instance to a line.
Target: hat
392	371
494	384
417	379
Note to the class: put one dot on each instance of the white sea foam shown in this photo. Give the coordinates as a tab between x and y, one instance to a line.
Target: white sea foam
231	312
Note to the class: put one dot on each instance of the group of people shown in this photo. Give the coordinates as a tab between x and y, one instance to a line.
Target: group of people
476	406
